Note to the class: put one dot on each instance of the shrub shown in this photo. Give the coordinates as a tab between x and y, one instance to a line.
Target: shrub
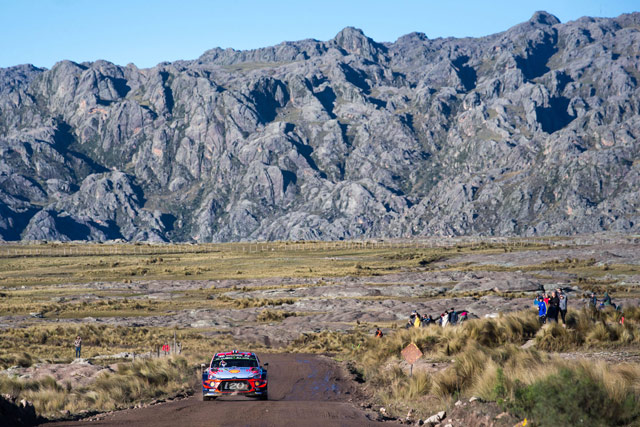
22	359
485	359
571	397
267	315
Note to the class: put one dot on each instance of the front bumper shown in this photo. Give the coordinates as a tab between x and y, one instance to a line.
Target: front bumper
234	387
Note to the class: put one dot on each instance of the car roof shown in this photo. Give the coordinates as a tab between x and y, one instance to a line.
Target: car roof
236	353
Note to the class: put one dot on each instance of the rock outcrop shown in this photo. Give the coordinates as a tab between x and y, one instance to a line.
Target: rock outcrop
18	414
532	131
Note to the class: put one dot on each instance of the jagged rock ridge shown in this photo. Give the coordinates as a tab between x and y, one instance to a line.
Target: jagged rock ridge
527	132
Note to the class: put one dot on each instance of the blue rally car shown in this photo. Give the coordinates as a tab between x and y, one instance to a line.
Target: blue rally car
234	373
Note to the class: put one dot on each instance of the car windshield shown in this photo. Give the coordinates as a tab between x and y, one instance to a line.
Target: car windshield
232	362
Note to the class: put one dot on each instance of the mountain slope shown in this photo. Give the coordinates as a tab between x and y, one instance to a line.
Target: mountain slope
530	131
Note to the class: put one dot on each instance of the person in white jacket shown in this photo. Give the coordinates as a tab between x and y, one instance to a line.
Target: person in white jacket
444	318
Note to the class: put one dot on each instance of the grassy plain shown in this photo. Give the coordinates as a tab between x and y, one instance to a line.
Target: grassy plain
66	284
36	267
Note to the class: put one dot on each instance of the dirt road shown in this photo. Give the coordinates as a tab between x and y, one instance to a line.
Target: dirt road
304	390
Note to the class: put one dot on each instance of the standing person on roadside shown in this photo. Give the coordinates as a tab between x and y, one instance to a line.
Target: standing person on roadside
412	319
593	306
78	345
545	298
453	316
563	306
593	300
607	299
444	318
427	320
542	309
554	307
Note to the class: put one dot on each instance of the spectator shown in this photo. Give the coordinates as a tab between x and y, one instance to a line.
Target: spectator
78	345
444	318
563	307
593	306
607	300
542	309
427	320
554	307
378	333
408	324
412	319
453	316
593	301
417	322
545	298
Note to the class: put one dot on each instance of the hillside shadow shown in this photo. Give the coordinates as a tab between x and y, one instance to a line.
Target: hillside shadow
554	117
466	74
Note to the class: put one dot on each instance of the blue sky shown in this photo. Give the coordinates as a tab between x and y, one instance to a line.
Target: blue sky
42	32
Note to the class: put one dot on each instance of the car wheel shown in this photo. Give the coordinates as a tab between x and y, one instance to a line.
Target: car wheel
264	397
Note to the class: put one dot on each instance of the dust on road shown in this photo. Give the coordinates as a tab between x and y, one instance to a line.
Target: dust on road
304	390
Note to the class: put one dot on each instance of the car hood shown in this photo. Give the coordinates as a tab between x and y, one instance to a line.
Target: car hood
232	373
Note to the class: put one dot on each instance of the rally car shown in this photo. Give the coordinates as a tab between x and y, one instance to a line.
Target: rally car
234	373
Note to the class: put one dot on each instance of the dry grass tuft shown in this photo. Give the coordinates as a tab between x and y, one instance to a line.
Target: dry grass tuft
485	359
267	315
141	381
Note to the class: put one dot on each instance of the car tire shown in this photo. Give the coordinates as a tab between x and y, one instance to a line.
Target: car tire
264	397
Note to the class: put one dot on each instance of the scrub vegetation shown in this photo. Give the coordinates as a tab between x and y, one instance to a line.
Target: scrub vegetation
485	358
141	381
543	373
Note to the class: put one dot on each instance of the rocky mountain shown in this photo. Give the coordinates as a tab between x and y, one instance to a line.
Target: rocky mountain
532	131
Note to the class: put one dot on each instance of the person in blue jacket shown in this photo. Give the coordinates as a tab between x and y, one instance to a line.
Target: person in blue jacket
542	309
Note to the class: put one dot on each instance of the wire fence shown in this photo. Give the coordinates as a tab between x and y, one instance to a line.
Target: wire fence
10	250
167	349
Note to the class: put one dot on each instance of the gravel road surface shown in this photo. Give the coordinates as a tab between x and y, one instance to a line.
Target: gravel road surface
304	390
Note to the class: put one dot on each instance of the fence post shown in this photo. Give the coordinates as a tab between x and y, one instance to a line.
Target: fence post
174	342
